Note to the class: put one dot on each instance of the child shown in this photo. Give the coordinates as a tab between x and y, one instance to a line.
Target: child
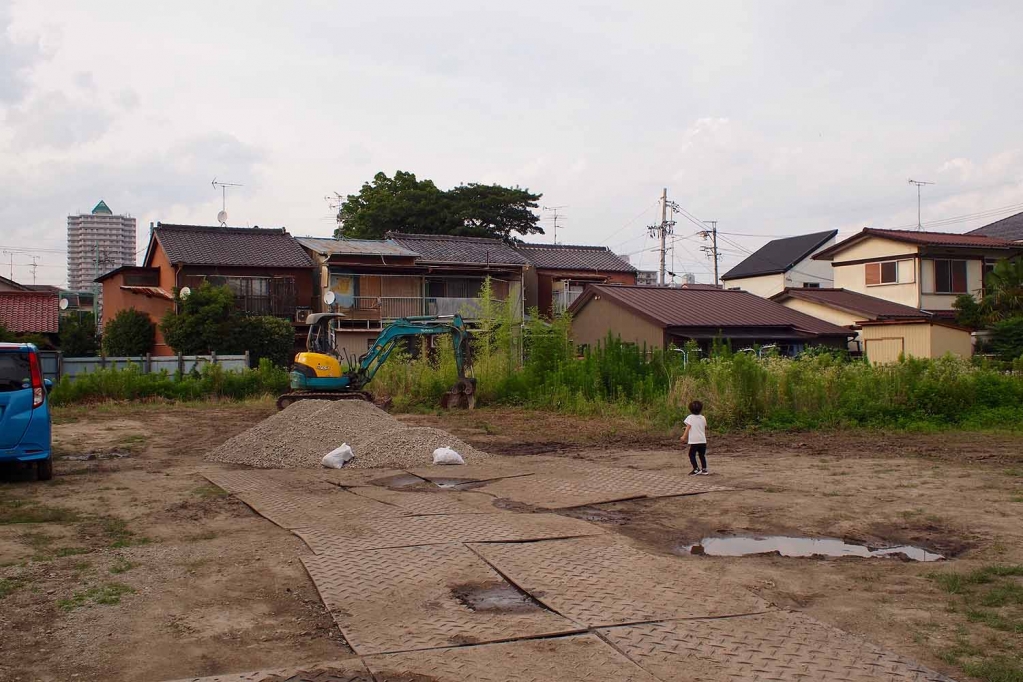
696	435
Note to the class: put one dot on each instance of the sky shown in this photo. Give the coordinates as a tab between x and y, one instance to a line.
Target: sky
772	118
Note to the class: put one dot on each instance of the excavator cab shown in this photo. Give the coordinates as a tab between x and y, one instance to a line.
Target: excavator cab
318	373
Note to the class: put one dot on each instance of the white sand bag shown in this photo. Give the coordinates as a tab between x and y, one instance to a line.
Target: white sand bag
335	459
446	455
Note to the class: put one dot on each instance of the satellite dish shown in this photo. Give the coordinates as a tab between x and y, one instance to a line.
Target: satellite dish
329	297
184	293
64	304
222	217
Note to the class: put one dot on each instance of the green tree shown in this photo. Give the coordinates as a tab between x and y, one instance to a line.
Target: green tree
406	204
208	321
78	337
1004	296
1007	338
267	337
970	313
129	334
204	323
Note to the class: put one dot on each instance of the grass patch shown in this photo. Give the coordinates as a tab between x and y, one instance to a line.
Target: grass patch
119	535
108	594
997	669
26	511
9	585
132	442
207	492
37	540
121	565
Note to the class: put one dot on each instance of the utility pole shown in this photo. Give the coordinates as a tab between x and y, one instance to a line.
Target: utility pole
919	184
662	230
712	250
34	266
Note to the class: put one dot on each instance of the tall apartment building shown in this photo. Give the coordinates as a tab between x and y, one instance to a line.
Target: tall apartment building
97	242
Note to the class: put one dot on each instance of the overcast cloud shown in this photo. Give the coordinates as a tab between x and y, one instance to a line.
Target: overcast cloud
771	118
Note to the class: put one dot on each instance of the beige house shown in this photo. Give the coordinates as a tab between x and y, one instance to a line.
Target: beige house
885	324
885	341
660	317
783	263
923	270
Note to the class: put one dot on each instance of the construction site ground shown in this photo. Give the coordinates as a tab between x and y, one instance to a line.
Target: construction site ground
140	561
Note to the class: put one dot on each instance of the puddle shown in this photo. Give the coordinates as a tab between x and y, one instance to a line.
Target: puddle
802	547
595	515
493	596
458	483
398	481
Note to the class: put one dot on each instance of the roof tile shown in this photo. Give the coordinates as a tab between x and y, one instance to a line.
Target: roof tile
30	311
939	239
572	257
853	302
1010	228
253	247
356	247
464	250
779	255
709	308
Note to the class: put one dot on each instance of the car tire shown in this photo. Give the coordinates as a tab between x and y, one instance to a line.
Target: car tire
44	469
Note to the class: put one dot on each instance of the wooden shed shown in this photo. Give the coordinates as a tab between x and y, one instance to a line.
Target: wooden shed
885	341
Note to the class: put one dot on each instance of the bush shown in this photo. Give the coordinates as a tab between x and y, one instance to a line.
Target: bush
819	389
204	322
264	337
208	322
131	384
129	334
78	337
1007	338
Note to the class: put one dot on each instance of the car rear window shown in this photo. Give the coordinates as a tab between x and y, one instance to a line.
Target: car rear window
14	371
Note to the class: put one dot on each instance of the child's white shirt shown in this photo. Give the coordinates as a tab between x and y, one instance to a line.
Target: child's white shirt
697	424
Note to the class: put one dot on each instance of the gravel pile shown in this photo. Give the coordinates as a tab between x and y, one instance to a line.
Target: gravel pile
300	435
410	447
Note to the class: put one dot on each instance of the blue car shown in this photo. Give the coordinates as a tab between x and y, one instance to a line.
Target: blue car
24	409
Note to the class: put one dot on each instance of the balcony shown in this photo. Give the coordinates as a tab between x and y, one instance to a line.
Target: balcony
564	299
372	312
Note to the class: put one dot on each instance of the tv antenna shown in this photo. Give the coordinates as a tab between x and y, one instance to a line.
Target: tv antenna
222	216
919	184
334	201
554	210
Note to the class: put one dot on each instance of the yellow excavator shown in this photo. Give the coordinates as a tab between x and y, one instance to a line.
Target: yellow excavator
318	373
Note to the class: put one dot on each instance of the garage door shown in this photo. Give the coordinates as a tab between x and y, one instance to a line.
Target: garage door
885	350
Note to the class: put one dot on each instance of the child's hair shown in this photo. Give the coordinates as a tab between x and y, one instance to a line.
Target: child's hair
696	407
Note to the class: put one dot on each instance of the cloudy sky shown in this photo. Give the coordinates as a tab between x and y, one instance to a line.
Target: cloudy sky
773	118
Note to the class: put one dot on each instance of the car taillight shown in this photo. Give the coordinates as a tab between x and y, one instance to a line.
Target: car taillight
38	391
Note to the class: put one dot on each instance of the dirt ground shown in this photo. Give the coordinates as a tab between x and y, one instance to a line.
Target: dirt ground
130	566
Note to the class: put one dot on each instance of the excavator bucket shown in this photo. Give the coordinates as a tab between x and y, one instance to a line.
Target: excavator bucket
462	395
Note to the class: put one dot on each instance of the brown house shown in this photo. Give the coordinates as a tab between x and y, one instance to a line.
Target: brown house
659	317
558	273
269	273
376	281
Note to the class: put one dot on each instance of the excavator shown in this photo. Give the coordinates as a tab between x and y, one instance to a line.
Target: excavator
317	373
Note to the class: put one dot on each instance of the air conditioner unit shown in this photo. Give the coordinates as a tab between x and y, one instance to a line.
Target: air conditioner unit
301	314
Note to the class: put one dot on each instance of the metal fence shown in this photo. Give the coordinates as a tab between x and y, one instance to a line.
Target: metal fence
55	366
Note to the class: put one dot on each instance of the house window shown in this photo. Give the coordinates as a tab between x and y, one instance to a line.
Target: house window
811	285
950	277
886	272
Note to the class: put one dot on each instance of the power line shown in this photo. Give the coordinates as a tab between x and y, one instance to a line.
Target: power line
626	225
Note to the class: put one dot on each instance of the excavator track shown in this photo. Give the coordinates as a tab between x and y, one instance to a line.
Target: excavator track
293	397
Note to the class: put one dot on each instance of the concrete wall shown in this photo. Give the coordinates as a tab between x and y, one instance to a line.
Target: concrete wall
765	285
591	324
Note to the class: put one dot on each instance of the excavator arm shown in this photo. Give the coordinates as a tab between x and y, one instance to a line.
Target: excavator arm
407	327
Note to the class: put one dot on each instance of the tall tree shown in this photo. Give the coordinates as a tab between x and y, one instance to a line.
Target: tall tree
406	204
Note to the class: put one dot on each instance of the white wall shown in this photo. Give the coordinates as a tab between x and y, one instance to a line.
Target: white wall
764	285
810	270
